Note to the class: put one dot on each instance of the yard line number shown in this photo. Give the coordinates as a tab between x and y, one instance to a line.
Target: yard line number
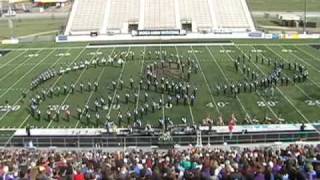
267	103
312	102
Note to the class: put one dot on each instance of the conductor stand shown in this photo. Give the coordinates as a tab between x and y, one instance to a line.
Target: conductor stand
199	138
28	132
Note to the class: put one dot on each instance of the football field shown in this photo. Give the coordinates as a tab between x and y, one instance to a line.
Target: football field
212	67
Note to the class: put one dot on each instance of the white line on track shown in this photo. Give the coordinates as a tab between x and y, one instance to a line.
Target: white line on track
77	80
206	81
190	108
55	82
270	109
92	92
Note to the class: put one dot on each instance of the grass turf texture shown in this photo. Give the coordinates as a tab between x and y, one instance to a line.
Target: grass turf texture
216	66
283	5
23	27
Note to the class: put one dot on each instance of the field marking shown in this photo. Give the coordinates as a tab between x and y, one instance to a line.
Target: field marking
162	95
190	108
14	69
295	85
141	71
276	53
163	104
206	81
14	89
300	59
27	73
307	53
225	77
98	80
262	98
55	82
117	86
288	100
37	34
12	59
77	80
32	64
164	44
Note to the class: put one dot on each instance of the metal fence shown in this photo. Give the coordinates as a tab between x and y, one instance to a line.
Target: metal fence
117	141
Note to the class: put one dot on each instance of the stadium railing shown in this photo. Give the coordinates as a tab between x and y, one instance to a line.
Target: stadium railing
120	141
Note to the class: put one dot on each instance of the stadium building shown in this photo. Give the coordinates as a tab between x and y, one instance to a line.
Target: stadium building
124	19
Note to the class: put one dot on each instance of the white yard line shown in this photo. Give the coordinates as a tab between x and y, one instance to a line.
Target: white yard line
55	82
77	80
288	100
163	113
225	77
12	59
14	69
162	95
190	108
307	53
92	92
118	82
206	81
141	71
297	86
32	64
164	44
300	59
14	89
270	109
274	52
27	73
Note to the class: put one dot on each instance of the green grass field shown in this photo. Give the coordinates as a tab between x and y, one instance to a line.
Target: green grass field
295	103
283	5
24	27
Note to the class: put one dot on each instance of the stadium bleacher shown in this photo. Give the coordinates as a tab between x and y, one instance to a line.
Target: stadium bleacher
121	13
87	16
104	16
290	162
159	14
196	11
231	14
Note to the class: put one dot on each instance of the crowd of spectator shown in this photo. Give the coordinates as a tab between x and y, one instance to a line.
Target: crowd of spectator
294	162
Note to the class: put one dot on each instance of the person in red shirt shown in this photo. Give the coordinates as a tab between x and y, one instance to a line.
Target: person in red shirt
78	176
